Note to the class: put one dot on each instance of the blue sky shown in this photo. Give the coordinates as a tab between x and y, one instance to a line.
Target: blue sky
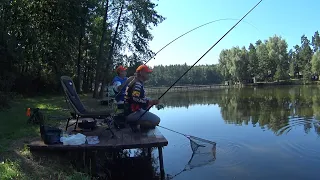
287	18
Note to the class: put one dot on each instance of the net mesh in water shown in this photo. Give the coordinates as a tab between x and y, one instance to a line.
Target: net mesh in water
203	153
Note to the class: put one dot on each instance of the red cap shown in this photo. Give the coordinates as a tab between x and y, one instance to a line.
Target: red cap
143	68
120	68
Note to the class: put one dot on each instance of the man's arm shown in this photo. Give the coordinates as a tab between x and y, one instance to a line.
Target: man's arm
116	86
131	78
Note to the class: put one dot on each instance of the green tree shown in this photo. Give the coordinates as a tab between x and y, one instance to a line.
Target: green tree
315	63
307	73
244	73
280	73
134	20
224	64
305	57
263	59
316	41
292	63
253	65
278	57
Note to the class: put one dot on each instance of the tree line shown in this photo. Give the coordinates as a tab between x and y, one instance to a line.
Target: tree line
268	60
199	75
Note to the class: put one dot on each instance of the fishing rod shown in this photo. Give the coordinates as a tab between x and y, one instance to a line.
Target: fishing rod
202	57
205	24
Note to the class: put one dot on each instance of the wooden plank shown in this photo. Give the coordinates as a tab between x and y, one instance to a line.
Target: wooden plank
157	133
125	139
160	138
135	139
107	141
155	137
146	137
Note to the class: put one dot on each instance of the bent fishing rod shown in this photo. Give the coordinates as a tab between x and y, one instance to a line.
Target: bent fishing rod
205	24
201	57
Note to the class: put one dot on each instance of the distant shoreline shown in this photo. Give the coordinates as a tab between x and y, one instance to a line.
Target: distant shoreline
187	88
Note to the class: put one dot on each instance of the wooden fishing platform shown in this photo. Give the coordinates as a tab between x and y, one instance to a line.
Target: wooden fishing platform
124	139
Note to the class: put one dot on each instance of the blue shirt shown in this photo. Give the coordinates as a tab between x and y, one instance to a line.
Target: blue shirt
117	81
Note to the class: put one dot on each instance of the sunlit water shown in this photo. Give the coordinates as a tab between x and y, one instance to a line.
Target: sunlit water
261	133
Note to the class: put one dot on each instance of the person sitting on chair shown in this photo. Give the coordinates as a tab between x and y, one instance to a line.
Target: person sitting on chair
119	84
136	102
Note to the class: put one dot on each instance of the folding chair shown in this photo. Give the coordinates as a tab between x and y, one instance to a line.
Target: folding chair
80	111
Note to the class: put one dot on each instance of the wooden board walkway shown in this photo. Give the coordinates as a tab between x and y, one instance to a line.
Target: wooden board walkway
124	139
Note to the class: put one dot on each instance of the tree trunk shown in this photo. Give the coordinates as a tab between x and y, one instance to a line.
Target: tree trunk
84	78
91	74
86	72
78	64
110	60
100	54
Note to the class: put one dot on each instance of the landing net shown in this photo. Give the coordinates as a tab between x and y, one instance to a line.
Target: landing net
203	153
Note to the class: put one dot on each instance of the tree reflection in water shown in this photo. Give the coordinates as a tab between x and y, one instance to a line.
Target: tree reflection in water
274	108
128	164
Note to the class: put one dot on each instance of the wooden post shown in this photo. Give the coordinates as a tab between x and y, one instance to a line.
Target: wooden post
93	163
149	153
162	175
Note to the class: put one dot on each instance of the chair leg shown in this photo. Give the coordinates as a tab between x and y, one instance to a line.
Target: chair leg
113	135
116	124
75	126
109	123
67	124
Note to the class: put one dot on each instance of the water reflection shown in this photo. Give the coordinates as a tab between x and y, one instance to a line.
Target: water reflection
128	164
278	109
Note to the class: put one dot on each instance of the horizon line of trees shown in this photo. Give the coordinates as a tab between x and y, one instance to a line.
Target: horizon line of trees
268	60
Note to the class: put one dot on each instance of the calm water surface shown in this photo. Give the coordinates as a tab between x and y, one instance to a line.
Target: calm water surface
261	133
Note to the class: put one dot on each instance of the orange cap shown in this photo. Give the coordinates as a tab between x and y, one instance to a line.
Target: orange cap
28	113
120	68
144	68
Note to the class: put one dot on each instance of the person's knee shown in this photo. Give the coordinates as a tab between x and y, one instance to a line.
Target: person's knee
131	117
156	120
153	120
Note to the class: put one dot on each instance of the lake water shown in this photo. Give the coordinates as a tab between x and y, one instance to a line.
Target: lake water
261	133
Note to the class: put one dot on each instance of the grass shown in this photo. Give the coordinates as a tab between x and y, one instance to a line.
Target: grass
13	124
16	161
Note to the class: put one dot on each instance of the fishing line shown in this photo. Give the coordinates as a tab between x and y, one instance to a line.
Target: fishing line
225	19
153	56
202	56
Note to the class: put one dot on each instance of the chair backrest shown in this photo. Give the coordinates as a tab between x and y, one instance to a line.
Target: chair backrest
71	95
